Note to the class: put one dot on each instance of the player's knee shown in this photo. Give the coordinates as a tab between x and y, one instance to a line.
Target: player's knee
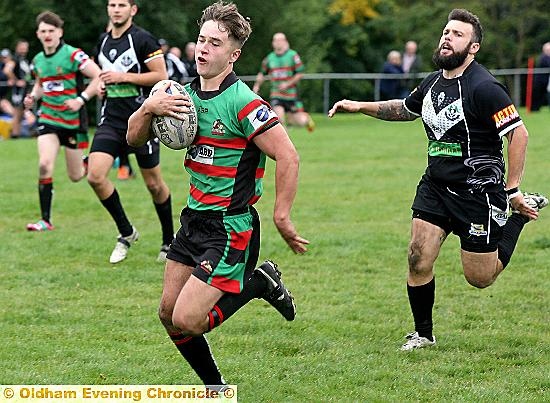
187	325
480	281
45	168
415	260
165	315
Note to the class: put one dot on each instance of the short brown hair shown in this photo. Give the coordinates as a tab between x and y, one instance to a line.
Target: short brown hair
50	18
462	15
229	17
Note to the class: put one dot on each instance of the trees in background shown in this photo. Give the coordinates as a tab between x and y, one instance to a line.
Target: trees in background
331	35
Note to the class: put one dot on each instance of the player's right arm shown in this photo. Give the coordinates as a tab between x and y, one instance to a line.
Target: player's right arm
161	104
392	110
260	78
34	95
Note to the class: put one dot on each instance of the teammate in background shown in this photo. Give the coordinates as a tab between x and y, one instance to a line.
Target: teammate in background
285	67
210	272
58	72
189	59
466	113
131	60
19	72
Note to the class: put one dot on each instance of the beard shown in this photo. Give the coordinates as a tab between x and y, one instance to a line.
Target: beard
451	62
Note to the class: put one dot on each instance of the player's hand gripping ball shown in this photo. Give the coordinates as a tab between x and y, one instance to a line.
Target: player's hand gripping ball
175	133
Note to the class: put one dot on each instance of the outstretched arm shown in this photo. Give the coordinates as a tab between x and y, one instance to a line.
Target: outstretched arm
393	110
517	148
276	144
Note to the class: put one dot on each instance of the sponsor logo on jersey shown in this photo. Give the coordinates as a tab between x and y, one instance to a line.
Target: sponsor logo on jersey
477	230
126	61
112	54
260	115
442	149
505	116
218	128
201	153
50	86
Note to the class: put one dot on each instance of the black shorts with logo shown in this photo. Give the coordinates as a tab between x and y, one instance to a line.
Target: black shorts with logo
69	138
291	106
112	141
476	217
223	247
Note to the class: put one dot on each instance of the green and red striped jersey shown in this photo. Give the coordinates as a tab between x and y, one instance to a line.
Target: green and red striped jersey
59	76
282	68
225	165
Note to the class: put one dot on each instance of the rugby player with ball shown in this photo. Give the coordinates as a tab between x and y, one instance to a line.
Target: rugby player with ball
211	265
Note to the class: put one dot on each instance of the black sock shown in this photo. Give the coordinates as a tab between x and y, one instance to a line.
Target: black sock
164	212
45	195
231	303
114	207
421	299
510	235
197	353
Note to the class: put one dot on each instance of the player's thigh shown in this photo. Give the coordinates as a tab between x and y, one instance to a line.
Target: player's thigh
479	268
195	301
425	244
176	274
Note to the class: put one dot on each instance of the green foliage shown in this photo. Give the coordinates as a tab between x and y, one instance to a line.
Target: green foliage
69	317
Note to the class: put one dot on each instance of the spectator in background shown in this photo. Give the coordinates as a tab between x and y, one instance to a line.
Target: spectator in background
392	88
412	64
5	60
541	81
189	59
18	71
174	66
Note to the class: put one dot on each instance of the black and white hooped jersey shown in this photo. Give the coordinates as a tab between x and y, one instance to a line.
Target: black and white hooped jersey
465	119
129	53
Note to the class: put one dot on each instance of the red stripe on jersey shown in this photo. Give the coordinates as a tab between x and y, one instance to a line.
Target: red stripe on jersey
236	143
226	284
68	92
54	107
68	76
282	68
72	122
249	108
221	172
211	170
208	199
239	240
253	200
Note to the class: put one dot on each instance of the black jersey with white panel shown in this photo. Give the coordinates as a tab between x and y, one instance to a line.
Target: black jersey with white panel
129	53
465	119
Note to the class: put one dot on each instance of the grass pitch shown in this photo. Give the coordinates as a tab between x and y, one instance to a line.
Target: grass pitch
69	317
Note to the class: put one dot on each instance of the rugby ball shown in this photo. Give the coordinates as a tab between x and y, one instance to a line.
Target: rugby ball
175	133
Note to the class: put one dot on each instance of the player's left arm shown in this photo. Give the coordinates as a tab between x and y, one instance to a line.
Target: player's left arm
517	151
276	144
91	70
156	73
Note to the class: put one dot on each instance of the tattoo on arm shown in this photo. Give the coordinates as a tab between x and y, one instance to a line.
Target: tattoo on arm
510	135
394	110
